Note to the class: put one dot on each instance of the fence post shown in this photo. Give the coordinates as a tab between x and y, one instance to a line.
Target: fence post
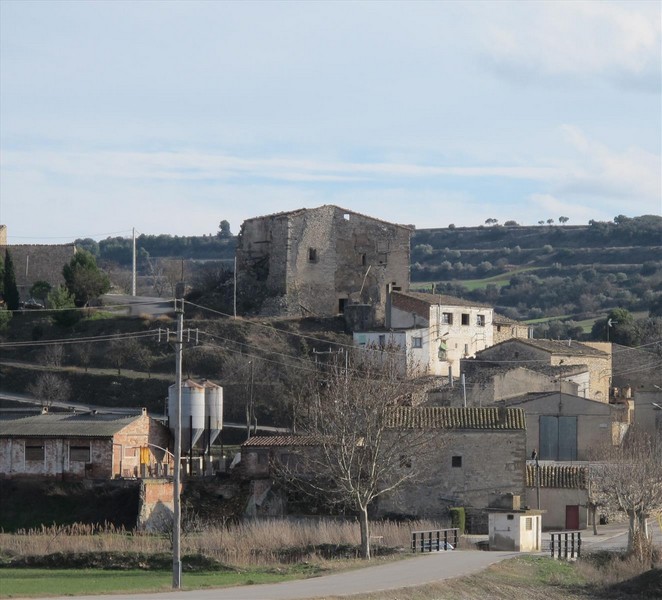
579	544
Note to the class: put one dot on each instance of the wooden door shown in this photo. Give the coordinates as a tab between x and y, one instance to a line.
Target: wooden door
572	516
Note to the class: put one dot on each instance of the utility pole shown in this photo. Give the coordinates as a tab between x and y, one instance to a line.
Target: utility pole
235	287
176	499
133	271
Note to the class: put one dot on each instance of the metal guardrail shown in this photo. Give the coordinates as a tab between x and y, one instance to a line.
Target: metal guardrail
434	540
565	544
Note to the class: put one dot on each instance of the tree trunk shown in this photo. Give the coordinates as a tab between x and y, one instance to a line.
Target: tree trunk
632	530
365	533
594	511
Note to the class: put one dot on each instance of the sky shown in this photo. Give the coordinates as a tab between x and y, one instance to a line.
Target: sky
168	116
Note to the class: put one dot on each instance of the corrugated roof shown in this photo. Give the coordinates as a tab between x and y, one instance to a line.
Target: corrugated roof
442	299
557	476
441	417
280	440
54	425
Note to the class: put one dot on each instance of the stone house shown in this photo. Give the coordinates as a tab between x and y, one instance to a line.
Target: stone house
563	492
38	262
487	383
594	356
73	446
474	452
318	261
564	427
477	452
507	329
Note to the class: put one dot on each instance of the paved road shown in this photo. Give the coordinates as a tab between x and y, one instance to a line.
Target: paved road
409	572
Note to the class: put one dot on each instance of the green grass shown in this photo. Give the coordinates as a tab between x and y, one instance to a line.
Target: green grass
65	582
474	284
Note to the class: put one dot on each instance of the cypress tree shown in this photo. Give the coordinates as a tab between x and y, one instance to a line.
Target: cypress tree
10	290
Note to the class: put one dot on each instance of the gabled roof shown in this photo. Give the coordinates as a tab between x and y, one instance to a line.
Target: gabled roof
300	211
557	476
441	299
530	396
564	347
57	425
441	417
270	441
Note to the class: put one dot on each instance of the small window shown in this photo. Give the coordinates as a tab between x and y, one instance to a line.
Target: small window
342	302
447	318
382	342
346	216
465	319
79	454
312	254
364	260
466	349
528	525
456	462
34	452
417	342
498	327
383	258
480	320
511	517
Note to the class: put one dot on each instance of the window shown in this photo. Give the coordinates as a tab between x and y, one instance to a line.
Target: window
456	462
34	452
511	517
498	327
79	454
465	318
528	524
312	254
480	320
382	342
466	349
447	318
346	216
342	302
383	258
417	342
363	260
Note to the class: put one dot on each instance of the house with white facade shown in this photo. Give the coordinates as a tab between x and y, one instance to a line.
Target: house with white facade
432	331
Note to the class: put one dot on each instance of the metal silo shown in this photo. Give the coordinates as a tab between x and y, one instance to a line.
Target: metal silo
193	412
213	411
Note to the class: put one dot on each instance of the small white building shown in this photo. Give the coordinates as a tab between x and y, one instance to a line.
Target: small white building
512	528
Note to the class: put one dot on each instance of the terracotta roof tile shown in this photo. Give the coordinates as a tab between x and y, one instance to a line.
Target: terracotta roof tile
262	441
557	476
441	299
441	417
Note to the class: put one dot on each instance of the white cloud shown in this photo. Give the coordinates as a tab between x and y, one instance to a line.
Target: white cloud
578	39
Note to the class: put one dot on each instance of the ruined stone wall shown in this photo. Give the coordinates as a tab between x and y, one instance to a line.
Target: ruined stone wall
38	263
313	262
508	331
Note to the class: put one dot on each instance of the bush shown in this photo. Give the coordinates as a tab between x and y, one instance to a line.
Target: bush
458	518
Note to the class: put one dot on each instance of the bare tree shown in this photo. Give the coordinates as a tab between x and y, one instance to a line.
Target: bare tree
53	355
49	388
83	354
630	478
122	350
360	454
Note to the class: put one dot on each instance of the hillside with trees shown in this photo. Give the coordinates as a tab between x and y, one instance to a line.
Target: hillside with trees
562	271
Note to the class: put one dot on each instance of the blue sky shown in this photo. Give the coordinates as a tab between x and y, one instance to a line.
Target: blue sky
169	116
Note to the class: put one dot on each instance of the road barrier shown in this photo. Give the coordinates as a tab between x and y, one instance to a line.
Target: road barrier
434	540
565	544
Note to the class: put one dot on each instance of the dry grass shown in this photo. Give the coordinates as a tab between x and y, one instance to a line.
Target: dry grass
255	542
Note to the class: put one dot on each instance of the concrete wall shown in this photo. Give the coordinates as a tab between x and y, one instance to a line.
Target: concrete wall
491	461
647	416
554	501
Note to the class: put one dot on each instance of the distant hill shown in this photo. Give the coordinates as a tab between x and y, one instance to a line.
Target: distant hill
545	270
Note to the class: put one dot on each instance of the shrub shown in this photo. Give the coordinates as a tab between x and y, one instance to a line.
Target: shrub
458	518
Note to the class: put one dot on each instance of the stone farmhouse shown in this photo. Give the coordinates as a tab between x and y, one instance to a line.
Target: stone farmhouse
477	452
78	446
594	357
319	261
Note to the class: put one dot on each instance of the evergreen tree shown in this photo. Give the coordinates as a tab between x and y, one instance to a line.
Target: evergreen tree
84	279
10	290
